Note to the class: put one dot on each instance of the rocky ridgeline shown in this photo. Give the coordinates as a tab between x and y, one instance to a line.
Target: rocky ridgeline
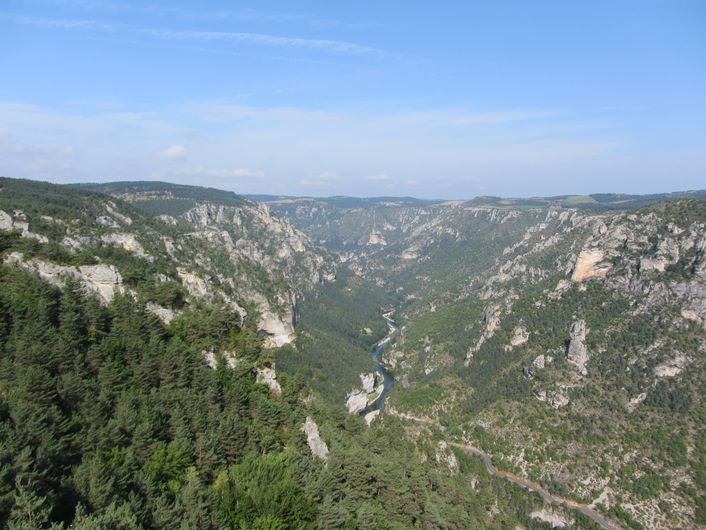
251	238
239	255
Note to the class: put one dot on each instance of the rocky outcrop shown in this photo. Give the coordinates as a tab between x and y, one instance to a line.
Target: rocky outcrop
280	330
368	381
318	447
197	287
359	399
446	457
103	280
519	337
555	398
491	319
165	314
635	402
268	377
8	223
107	221
371	416
577	351
588	265
356	401
228	357
375	238
673	367
541	361
125	241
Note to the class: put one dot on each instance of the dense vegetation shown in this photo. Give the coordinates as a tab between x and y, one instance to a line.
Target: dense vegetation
343	320
110	420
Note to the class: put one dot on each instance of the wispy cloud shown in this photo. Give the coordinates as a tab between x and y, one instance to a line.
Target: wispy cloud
173	152
51	23
259	39
249	15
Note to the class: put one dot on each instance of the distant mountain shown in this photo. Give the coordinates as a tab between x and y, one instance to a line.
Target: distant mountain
343	201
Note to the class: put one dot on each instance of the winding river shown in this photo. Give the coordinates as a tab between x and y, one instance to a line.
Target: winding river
388	381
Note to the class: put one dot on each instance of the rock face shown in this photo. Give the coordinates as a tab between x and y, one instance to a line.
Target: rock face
577	352
317	446
368	381
8	223
673	367
280	330
588	265
268	377
125	241
247	235
359	399
103	280
165	314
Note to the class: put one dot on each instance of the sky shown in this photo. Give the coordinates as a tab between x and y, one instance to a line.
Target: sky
444	99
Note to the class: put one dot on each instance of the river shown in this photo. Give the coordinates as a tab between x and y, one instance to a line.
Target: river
388	380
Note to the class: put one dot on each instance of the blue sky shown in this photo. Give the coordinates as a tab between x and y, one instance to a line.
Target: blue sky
429	99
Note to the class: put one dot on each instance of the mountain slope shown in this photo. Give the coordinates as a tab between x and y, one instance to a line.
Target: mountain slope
568	344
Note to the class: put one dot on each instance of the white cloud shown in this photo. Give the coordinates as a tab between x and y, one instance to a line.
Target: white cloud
378	178
244	172
173	152
327	178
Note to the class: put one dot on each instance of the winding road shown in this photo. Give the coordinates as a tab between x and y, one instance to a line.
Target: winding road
536	488
548	498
